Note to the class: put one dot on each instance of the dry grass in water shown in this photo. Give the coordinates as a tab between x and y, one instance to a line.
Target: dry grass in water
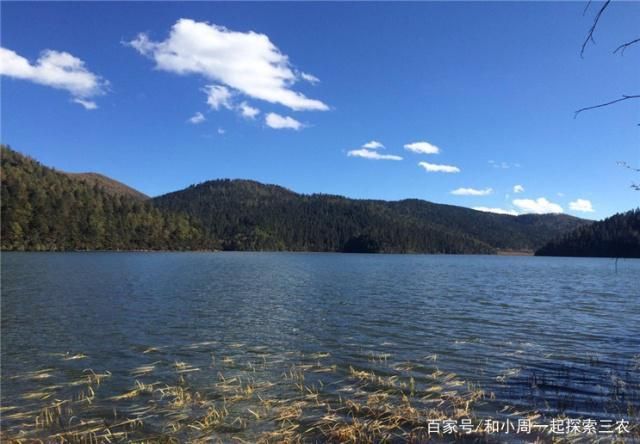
252	396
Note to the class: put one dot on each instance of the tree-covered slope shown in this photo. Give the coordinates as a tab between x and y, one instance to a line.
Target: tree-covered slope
616	236
43	209
248	215
524	232
108	184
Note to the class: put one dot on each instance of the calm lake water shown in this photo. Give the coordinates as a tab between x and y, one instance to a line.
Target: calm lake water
555	335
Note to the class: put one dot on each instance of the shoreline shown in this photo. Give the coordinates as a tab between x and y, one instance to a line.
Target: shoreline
504	253
516	253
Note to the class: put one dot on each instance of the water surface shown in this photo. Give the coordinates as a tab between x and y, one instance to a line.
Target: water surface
556	335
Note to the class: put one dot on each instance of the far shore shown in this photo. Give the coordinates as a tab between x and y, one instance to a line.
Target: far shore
497	253
515	253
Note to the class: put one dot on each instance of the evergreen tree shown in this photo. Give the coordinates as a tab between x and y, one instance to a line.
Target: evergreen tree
43	209
616	236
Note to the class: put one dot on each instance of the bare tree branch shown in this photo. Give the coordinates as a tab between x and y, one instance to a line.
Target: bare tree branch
623	98
593	28
624	46
586	8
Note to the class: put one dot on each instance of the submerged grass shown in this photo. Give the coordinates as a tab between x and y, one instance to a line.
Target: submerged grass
251	396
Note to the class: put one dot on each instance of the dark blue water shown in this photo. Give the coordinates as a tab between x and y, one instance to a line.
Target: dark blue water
555	335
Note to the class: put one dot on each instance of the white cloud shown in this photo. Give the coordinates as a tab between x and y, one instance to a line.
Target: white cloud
582	205
87	104
309	78
247	62
248	111
197	118
369	154
277	121
422	147
373	145
221	131
518	189
504	165
218	96
537	206
496	210
56	69
368	151
472	192
222	97
435	168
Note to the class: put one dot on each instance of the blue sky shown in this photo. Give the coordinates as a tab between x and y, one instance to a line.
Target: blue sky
491	87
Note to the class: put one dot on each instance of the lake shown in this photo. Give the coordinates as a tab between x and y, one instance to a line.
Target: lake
271	345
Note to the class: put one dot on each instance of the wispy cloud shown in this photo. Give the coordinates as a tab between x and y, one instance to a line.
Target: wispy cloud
368	151
247	62
435	168
537	206
309	78
582	205
221	131
504	165
422	147
518	189
496	210
248	111
56	69
370	154
373	145
218	96
197	118
276	121
472	192
86	104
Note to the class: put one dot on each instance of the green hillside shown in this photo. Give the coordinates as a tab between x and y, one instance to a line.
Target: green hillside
616	236
249	215
43	209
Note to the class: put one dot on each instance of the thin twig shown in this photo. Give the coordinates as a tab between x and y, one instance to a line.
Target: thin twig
624	46
624	97
593	28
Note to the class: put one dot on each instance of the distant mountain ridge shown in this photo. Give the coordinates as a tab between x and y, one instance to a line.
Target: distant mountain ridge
616	236
43	209
245	214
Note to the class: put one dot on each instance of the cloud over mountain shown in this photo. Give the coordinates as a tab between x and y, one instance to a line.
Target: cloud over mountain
472	192
56	69
538	206
436	168
245	62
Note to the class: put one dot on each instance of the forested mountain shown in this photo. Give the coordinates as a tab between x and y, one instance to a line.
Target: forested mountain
248	215
108	184
43	209
616	236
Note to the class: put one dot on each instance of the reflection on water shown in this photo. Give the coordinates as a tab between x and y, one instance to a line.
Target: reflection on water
557	336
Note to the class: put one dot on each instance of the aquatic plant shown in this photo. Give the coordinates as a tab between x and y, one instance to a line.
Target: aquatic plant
252	395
